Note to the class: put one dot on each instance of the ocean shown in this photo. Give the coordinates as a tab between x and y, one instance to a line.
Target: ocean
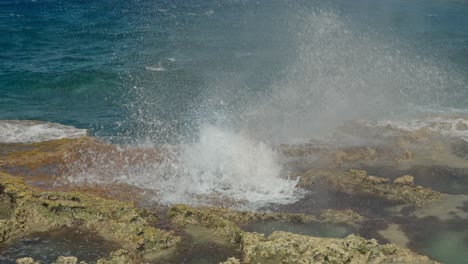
158	70
231	88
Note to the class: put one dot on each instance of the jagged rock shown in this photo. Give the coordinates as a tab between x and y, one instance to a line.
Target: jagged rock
357	181
377	180
355	154
404	180
120	256
225	222
66	260
231	261
283	247
407	155
55	164
26	261
222	227
117	221
242	217
340	216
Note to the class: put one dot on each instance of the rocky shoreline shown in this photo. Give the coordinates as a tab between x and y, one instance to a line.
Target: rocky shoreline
134	229
32	198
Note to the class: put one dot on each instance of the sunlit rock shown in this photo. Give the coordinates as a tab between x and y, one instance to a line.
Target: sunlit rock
404	180
66	260
26	260
283	247
231	261
118	221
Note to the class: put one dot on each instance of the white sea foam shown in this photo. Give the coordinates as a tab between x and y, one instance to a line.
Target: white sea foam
221	167
25	131
230	164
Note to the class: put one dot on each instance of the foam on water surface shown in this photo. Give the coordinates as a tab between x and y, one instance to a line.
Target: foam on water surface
26	131
220	167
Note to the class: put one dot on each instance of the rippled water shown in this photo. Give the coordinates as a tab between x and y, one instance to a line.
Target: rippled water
159	69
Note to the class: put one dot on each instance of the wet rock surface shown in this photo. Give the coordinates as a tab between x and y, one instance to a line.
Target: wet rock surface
359	182
117	221
398	188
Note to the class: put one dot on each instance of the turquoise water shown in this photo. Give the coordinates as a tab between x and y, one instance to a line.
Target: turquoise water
156	69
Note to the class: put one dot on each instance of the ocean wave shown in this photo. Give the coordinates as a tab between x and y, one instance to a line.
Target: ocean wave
28	131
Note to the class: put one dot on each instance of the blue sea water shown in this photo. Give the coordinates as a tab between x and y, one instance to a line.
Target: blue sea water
120	67
278	71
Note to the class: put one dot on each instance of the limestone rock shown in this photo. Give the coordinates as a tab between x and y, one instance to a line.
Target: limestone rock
407	155
377	180
355	154
26	261
231	261
222	227
117	221
283	247
358	182
66	260
340	216
120	256
404	180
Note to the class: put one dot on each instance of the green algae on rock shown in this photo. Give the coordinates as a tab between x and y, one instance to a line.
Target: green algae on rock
115	220
340	216
355	154
186	214
283	247
120	256
279	247
225	223
222	227
67	260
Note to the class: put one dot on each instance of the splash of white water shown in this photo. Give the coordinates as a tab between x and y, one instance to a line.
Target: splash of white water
232	165
340	74
221	167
